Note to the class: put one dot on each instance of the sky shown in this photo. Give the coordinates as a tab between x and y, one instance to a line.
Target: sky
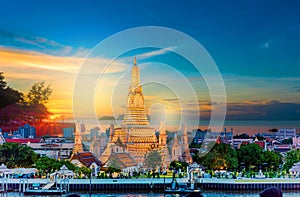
255	45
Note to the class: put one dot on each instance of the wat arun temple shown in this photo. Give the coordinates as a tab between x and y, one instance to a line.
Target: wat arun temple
135	138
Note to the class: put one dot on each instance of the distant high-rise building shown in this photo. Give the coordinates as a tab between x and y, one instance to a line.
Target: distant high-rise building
82	127
94	132
286	133
68	132
26	131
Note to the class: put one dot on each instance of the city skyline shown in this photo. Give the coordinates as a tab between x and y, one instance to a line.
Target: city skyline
254	45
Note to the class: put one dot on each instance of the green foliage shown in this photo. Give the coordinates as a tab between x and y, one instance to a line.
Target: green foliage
14	155
87	172
39	93
251	155
48	165
68	164
272	159
8	95
222	156
112	170
176	165
152	159
102	175
291	158
13	107
136	174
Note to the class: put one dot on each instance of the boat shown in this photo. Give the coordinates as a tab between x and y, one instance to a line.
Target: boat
46	190
183	189
186	188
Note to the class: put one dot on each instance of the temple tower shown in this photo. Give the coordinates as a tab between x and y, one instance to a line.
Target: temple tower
77	141
162	134
95	147
135	132
136	114
186	156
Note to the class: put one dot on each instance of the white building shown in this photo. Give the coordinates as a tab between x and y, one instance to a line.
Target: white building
286	133
296	141
53	150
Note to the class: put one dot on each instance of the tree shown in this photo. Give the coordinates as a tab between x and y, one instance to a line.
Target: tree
86	171
291	158
272	159
37	97
36	112
2	82
222	156
15	155
152	159
39	93
14	108
176	165
68	164
47	164
251	155
8	95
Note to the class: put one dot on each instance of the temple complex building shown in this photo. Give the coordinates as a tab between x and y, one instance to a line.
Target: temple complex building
135	136
81	158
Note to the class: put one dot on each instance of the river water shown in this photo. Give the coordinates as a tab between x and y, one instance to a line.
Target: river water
208	193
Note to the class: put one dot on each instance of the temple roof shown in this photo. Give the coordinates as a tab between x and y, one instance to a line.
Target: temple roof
120	143
86	158
123	159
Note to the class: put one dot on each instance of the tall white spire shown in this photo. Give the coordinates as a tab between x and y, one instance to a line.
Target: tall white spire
135	74
136	114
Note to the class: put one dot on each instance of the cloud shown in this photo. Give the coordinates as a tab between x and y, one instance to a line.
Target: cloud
259	110
41	44
28	41
23	68
265	45
18	60
156	52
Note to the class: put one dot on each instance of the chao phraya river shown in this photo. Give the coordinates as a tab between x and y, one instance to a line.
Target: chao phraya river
209	193
126	193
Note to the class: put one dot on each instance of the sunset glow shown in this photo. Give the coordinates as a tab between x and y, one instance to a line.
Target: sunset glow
258	65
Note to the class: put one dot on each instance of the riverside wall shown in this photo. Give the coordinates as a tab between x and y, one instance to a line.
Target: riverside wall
152	184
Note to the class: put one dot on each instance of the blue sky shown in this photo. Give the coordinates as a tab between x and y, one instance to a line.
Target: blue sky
255	44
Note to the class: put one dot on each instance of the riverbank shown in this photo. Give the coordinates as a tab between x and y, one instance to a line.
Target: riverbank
153	184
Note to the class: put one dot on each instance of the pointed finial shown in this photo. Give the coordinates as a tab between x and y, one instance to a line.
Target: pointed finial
134	61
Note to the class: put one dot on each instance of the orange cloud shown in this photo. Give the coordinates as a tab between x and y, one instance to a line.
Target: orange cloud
23	68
